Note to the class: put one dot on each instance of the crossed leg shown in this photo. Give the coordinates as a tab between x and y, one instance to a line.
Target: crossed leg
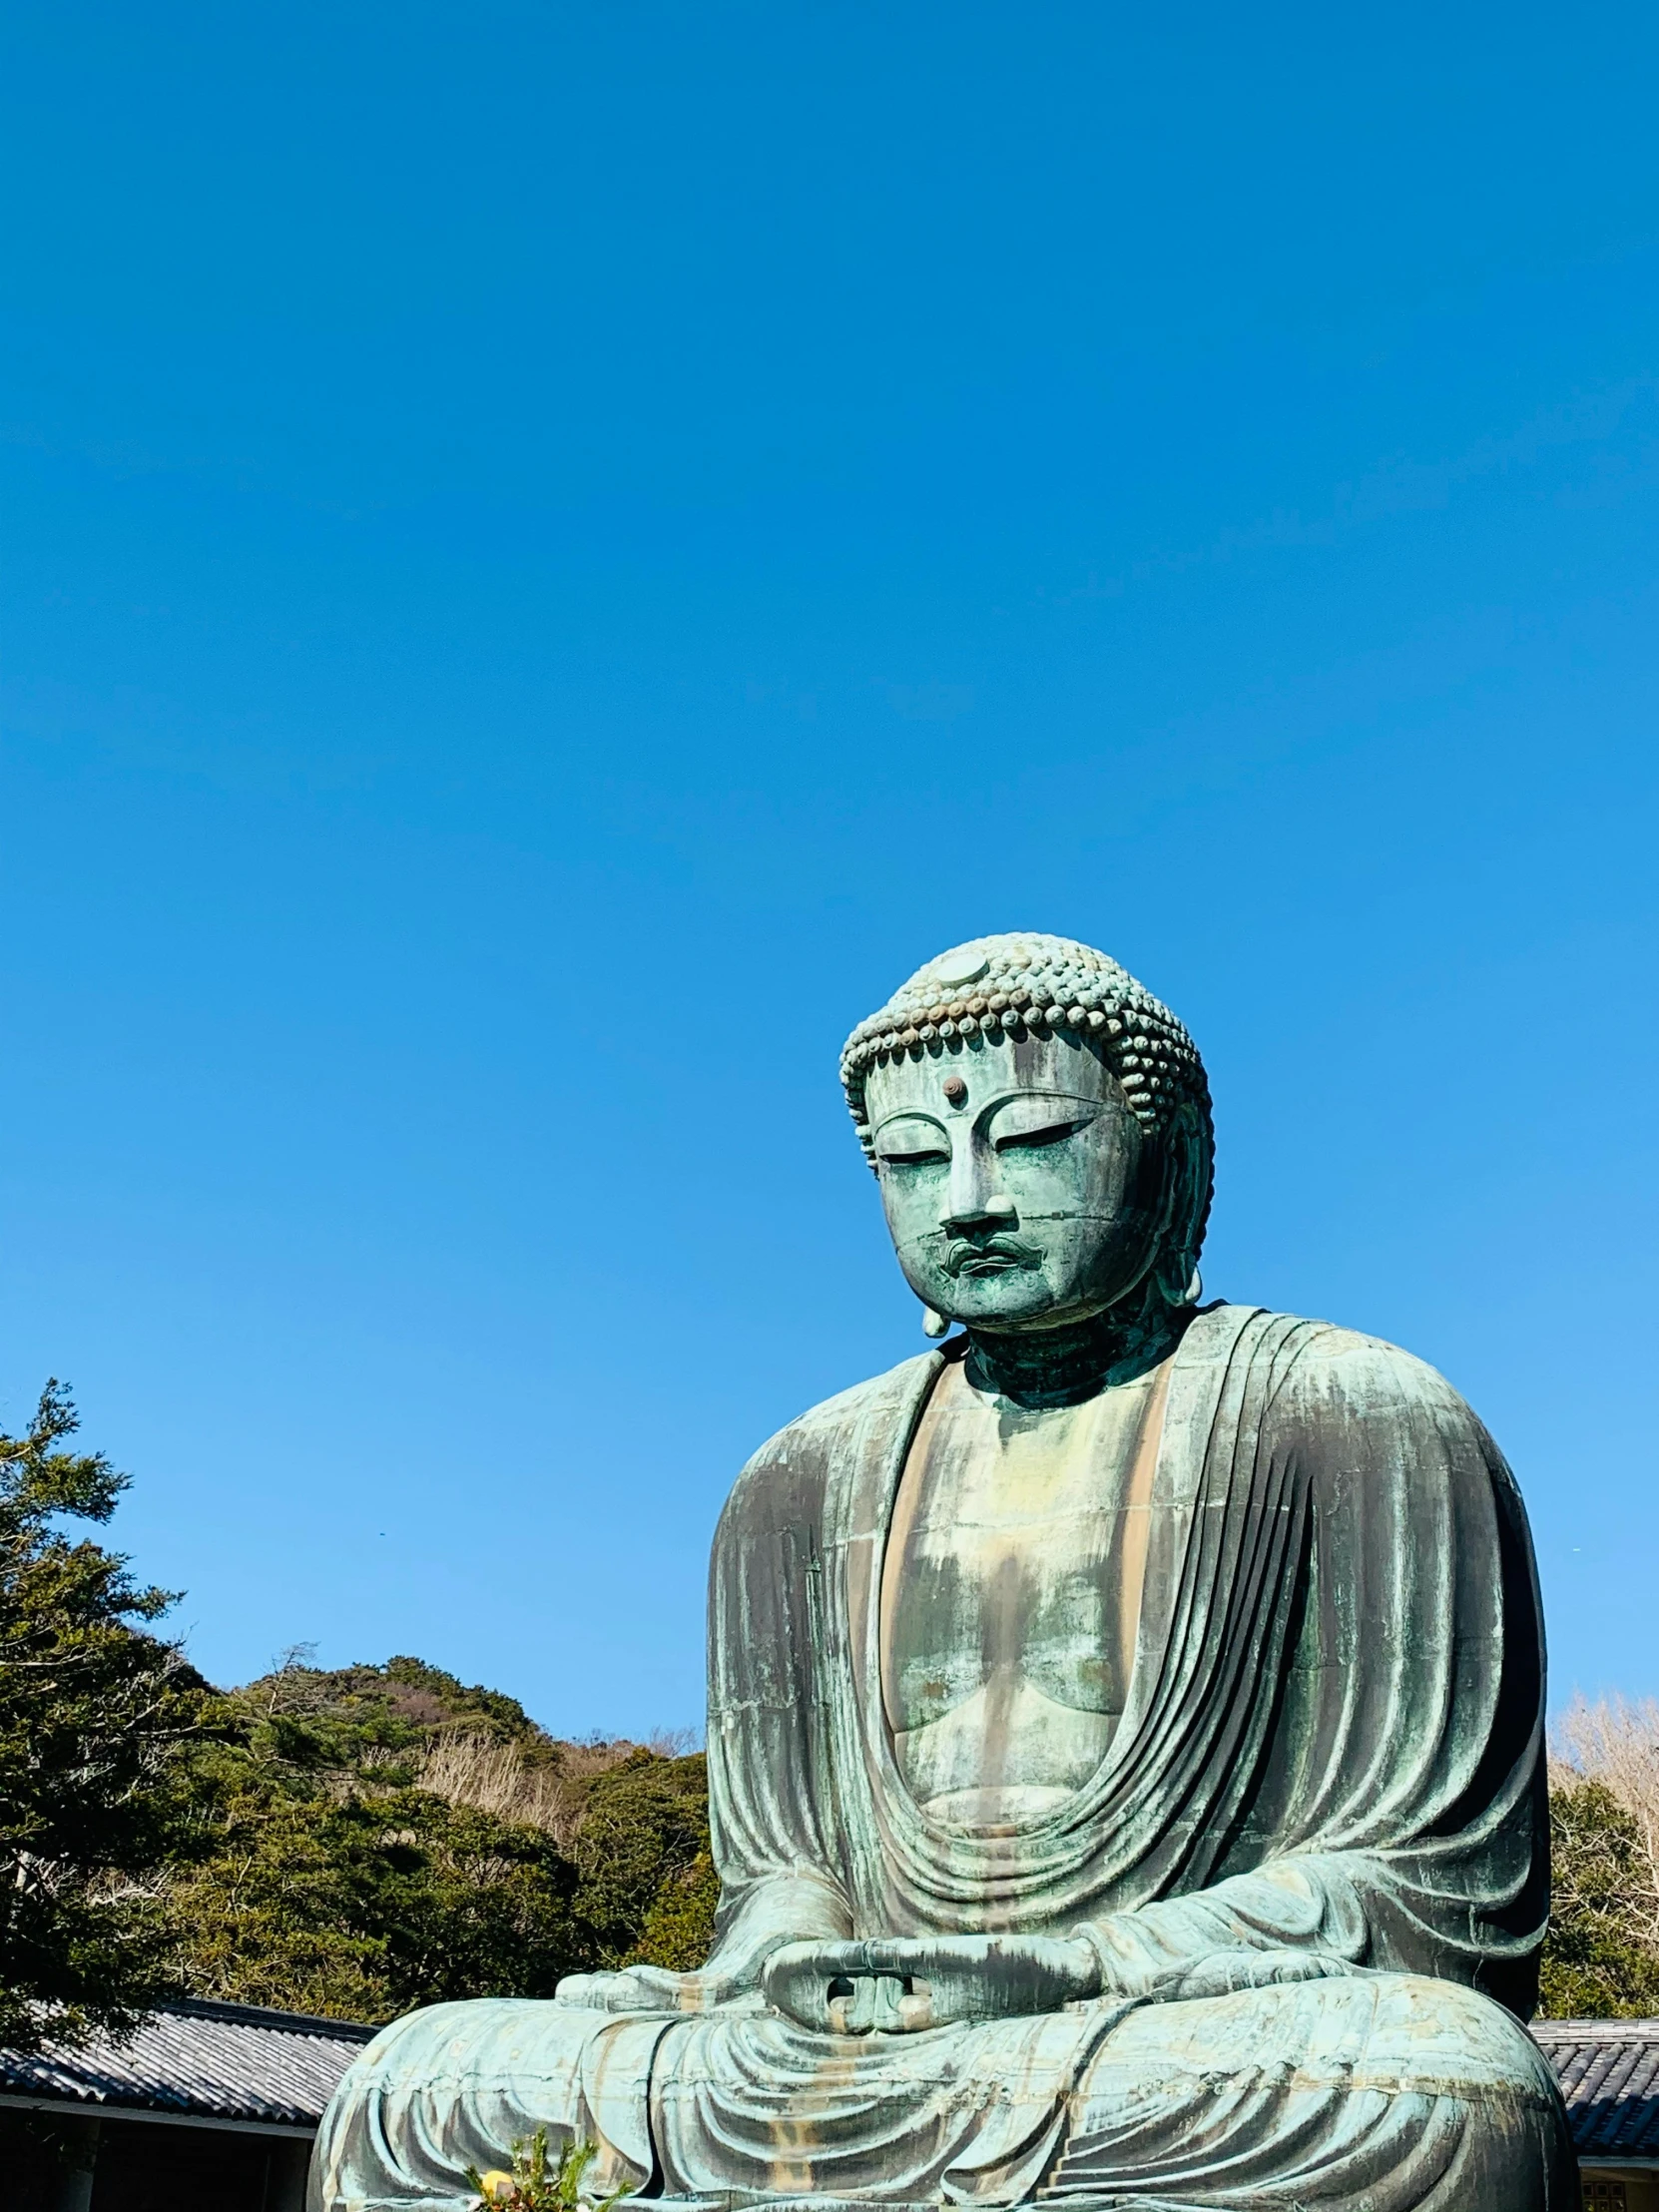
1379	2093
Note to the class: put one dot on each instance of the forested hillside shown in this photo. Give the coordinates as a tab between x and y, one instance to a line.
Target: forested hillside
353	1842
361	1840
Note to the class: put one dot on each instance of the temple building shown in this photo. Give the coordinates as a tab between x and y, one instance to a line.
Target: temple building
209	2108
1609	2075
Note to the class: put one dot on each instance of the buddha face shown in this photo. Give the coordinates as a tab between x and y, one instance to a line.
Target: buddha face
1014	1177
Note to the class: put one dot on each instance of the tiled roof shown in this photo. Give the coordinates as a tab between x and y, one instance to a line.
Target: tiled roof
1609	2075
201	2062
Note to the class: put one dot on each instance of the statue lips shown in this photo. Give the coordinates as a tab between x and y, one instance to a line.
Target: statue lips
995	1257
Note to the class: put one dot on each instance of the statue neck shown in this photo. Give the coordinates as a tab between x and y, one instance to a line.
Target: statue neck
1041	1367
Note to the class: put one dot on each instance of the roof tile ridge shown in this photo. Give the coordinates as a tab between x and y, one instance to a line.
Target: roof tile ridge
267	2016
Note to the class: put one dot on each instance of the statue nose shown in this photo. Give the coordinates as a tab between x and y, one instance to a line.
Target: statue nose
995	1211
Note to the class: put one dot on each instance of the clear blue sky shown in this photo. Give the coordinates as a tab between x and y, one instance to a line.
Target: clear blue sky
554	554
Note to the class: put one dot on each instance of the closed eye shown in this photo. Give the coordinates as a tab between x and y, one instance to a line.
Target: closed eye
1029	1140
910	1140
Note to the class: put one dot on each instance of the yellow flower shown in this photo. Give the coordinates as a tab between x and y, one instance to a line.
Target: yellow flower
495	2185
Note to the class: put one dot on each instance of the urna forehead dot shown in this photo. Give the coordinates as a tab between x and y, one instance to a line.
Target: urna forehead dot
955	1090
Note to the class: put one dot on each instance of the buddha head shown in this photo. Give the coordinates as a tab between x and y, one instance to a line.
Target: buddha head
1039	1125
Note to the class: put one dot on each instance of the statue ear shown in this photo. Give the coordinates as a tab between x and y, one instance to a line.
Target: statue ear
1186	1198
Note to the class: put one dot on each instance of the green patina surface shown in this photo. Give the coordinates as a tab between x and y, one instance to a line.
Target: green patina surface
1124	1723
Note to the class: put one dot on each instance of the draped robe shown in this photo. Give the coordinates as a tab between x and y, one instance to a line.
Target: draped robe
1313	1862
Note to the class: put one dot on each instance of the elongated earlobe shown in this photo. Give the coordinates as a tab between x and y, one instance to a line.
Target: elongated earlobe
932	1324
1177	1273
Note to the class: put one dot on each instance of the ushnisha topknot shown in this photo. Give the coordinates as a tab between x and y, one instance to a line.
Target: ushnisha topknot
1021	982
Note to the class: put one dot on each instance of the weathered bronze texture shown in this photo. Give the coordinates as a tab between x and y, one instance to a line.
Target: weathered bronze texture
1124	1724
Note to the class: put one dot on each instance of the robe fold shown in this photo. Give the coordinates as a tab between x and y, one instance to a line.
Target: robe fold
1313	1862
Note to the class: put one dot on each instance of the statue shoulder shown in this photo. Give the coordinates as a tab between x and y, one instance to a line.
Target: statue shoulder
790	1469
1342	1381
1345	1363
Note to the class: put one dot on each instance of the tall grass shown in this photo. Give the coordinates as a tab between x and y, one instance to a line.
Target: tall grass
492	1776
